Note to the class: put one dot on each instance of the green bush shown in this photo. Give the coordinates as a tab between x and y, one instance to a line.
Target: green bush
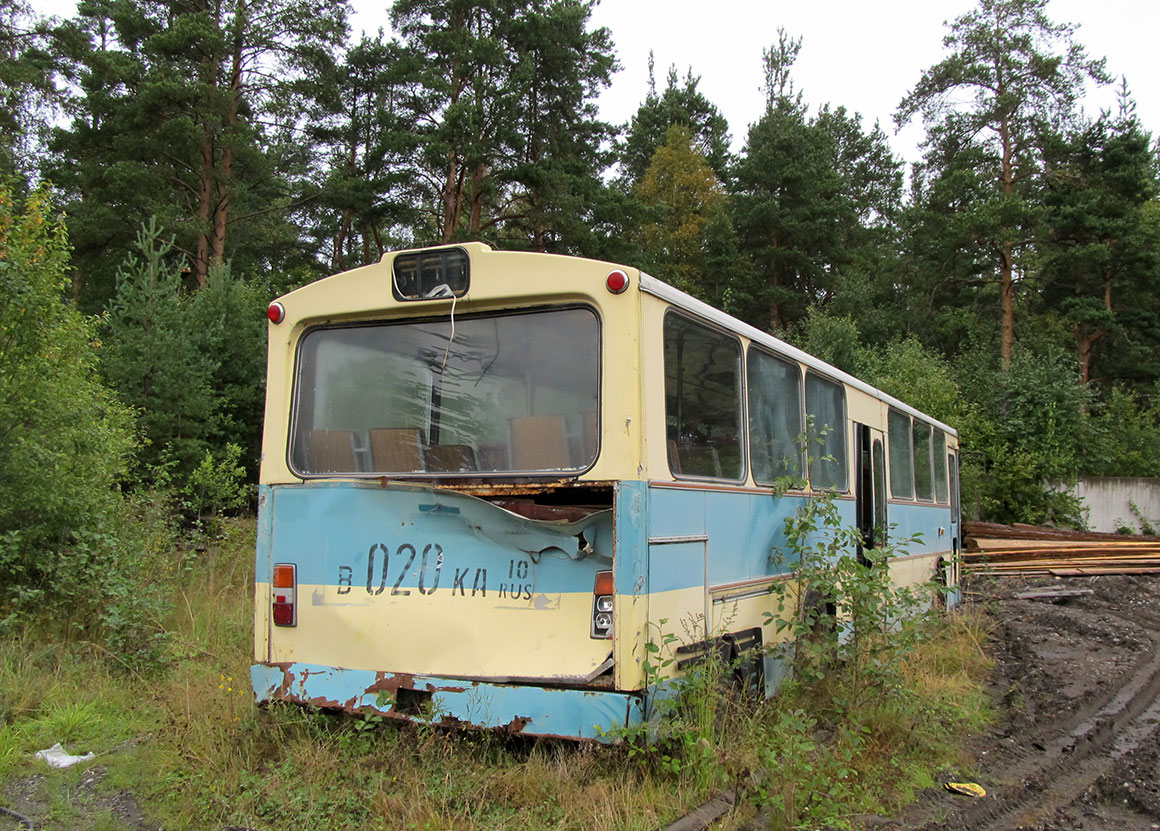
192	363
73	552
65	440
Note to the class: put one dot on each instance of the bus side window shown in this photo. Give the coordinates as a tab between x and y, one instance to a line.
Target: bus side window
826	432
590	437
941	494
775	417
901	450
923	466
703	409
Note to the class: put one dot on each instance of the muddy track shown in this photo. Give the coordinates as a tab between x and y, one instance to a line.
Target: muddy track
1052	767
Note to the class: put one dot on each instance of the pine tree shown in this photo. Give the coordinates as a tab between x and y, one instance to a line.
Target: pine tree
171	113
813	199
363	128
28	93
1101	246
154	356
1010	71
682	104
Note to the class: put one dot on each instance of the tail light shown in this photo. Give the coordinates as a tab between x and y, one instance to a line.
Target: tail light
285	594
602	605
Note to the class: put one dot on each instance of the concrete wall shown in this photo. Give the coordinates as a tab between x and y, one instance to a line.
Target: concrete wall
1109	502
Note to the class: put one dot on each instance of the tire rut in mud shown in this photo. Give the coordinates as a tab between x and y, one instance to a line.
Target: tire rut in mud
1080	687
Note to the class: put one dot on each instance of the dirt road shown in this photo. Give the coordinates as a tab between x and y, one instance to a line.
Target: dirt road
1078	678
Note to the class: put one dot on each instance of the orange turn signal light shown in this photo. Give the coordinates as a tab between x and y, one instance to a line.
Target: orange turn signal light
284	576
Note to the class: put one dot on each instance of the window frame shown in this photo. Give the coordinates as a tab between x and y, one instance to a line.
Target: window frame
908	444
845	431
292	423
765	352
676	313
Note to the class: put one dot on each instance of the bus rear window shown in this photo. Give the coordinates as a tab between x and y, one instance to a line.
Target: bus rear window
494	394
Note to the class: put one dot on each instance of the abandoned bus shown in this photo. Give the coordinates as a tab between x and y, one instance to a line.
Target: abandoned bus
487	476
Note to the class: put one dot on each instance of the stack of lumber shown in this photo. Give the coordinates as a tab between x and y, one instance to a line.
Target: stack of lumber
1028	550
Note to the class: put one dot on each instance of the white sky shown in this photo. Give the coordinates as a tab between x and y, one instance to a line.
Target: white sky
862	54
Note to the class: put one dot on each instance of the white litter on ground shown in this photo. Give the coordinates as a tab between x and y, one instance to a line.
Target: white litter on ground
58	758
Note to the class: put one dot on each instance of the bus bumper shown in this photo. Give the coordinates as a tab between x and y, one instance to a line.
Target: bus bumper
515	708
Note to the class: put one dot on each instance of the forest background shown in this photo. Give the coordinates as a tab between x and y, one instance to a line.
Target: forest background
168	167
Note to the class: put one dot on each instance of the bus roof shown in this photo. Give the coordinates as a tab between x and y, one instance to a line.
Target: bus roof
659	288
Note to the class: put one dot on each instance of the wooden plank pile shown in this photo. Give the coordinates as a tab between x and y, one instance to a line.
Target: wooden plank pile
1029	550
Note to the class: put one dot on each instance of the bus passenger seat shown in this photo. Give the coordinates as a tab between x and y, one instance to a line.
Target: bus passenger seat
330	451
397	449
442	458
539	443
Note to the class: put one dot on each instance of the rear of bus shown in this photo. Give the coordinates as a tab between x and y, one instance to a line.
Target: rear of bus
444	495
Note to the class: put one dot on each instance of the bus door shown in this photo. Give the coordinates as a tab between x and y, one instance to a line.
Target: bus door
870	488
955	529
680	609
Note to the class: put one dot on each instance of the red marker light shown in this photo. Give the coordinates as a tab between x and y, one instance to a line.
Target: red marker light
617	282
276	312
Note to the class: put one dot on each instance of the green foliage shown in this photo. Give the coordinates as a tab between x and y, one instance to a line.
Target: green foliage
154	357
1101	249
189	114
850	613
218	485
1033	433
1124	436
72	550
834	339
1010	73
64	439
360	121
680	104
27	90
684	211
510	142
923	379
811	200
192	364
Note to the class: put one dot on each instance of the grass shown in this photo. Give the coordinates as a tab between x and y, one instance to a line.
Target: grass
194	751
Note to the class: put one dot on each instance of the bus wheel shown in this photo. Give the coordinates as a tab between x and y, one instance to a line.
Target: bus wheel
938	600
818	637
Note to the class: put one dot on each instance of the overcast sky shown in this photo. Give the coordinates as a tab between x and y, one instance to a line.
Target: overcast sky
863	55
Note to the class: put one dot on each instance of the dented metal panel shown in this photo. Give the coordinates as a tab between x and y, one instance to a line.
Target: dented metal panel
406	578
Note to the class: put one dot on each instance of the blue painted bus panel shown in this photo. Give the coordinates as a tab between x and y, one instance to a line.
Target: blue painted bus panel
745	534
532	710
914	527
353	535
